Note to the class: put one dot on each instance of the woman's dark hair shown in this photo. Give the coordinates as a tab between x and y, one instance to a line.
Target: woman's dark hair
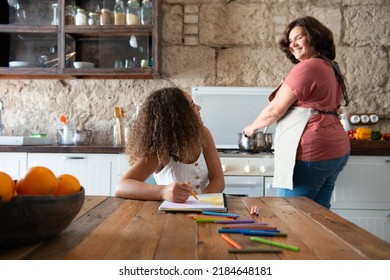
165	126
318	36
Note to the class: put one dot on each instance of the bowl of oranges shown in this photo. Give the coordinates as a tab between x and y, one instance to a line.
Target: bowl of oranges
37	206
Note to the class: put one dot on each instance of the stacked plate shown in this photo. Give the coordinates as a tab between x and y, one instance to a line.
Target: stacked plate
22	64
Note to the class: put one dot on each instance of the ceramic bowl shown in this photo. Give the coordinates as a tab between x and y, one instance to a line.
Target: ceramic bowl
83	64
30	219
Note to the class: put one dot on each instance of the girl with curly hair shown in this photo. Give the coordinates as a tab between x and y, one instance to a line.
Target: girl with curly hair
311	146
168	139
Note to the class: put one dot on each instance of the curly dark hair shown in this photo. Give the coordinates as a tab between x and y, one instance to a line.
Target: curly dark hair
318	36
165	126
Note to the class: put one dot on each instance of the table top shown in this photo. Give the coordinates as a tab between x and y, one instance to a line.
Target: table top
118	229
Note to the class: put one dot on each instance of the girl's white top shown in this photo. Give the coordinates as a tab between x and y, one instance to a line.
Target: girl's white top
196	173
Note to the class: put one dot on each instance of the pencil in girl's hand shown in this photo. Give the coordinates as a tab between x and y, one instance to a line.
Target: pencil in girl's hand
194	195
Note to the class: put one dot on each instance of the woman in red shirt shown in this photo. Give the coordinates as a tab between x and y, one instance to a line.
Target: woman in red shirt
311	146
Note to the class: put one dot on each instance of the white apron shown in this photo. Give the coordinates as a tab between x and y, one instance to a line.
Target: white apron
288	133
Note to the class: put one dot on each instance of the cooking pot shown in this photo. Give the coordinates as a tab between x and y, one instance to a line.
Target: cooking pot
258	142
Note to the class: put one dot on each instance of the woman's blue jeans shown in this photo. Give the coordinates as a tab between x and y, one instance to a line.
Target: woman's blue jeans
315	180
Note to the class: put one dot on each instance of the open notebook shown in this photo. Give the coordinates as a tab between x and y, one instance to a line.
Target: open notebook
207	202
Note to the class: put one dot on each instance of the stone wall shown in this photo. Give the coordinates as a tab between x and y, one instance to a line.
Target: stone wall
223	43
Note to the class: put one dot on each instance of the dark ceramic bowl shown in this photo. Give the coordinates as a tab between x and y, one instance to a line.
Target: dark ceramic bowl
28	219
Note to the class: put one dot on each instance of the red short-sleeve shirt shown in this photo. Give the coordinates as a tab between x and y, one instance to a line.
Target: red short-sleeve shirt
315	85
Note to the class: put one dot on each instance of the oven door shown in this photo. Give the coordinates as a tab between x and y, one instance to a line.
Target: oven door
251	186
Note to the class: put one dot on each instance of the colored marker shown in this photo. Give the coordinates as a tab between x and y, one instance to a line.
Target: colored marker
255	250
221	214
276	244
234	221
231	241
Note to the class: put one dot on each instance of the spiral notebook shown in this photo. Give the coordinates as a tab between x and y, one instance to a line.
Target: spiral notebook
206	202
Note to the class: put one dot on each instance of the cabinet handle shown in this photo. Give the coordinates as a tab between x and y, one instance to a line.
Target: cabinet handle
74	157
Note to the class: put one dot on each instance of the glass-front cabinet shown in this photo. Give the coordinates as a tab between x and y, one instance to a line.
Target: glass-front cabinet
90	39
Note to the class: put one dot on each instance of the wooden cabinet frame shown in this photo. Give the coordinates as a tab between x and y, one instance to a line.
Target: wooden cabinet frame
85	31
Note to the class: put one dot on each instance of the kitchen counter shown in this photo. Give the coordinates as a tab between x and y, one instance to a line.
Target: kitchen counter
363	148
98	149
113	228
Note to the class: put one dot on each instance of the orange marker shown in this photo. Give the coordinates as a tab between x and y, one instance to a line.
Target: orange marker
231	241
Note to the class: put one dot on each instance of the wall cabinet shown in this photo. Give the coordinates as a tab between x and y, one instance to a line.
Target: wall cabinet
39	42
362	194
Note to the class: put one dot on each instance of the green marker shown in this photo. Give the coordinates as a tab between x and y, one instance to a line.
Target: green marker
276	244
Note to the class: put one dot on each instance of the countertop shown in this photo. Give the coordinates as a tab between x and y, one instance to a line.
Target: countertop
367	148
98	149
113	229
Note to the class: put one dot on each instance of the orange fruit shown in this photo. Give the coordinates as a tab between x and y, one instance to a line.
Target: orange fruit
38	180
67	184
7	187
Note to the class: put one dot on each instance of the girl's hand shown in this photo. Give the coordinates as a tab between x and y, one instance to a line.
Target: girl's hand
177	192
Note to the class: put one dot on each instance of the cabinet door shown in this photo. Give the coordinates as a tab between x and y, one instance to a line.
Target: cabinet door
375	221
40	39
94	171
363	184
14	164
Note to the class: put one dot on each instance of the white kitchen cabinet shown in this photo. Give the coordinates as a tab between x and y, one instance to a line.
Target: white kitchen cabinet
14	164
96	172
362	194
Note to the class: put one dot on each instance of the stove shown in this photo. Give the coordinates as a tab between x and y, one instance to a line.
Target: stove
236	162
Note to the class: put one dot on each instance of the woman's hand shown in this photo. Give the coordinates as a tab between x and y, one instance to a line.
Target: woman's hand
249	130
177	192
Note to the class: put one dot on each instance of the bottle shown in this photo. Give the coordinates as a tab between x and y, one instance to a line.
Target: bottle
146	12
119	13
133	11
119	133
69	15
344	122
81	17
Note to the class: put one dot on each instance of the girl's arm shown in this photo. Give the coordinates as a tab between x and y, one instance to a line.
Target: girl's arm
132	184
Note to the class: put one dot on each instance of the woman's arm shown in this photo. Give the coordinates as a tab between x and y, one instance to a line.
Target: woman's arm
217	182
132	185
276	109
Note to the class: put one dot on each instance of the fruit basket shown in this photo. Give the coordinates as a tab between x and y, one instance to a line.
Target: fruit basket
29	219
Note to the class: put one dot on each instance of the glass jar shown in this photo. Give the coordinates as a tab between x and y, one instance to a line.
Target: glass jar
133	11
69	15
81	17
119	13
105	17
55	15
93	19
146	12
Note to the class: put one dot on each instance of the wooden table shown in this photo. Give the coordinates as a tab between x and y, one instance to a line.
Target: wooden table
117	229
